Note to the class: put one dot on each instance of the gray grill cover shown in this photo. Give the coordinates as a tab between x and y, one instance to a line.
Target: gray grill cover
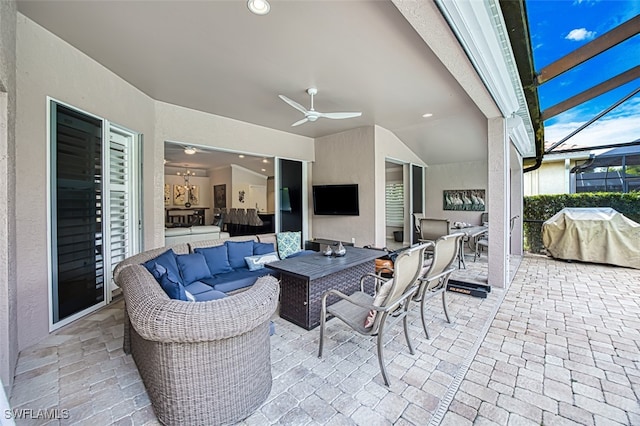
600	235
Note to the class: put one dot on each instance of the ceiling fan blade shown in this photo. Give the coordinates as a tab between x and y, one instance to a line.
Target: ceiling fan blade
340	115
293	104
299	122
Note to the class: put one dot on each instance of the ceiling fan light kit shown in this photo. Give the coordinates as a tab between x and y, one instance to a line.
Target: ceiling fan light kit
311	114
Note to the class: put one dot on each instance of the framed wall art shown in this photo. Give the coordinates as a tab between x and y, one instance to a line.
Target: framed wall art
167	194
464	199
179	195
220	196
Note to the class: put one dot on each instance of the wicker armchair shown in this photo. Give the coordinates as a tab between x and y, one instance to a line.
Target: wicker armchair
201	362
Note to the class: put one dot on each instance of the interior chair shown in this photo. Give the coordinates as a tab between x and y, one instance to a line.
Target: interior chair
370	315
436	273
432	229
254	222
243	222
483	241
233	221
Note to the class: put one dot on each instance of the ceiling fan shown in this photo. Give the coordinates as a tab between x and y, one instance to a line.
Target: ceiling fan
312	115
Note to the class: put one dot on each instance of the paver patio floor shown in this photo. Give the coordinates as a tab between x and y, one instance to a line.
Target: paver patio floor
562	346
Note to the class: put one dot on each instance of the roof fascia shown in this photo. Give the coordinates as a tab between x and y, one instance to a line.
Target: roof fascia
482	32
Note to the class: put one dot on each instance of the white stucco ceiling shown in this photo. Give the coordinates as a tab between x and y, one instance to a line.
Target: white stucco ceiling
217	57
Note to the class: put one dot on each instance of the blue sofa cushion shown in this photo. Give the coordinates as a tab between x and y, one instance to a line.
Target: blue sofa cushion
238	250
198	287
257	261
210	295
240	278
170	283
193	267
168	261
288	243
217	259
263	248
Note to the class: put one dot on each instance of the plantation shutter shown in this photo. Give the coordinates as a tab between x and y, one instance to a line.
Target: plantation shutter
121	220
394	204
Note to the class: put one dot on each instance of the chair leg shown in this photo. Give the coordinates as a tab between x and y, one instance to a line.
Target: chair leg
383	369
406	329
424	322
323	315
444	303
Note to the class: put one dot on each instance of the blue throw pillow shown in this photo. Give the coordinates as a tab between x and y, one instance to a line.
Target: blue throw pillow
263	248
193	267
217	259
168	262
238	250
170	283
257	262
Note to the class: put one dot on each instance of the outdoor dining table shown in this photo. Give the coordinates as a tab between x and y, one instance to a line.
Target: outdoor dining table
470	233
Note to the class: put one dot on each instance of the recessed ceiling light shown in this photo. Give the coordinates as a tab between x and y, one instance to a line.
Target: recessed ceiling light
264	160
189	150
427	115
259	7
264	170
241	156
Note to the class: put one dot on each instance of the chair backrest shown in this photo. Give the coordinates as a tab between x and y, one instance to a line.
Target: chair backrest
253	219
444	254
432	229
406	271
484	218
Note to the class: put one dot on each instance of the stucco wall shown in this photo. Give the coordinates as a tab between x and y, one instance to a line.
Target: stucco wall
48	66
388	146
8	282
471	175
551	178
354	164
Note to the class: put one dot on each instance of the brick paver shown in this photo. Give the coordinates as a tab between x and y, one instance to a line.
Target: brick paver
563	348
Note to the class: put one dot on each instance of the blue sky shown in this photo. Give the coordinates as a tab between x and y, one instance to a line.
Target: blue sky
560	26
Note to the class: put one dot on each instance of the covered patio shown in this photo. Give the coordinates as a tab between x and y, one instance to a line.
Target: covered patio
560	346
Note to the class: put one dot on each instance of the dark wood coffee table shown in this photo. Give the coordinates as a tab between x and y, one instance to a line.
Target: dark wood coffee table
305	279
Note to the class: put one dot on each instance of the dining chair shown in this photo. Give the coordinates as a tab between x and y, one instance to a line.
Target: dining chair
483	241
436	272
431	229
370	315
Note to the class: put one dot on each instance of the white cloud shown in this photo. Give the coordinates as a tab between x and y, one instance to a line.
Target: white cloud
580	34
619	126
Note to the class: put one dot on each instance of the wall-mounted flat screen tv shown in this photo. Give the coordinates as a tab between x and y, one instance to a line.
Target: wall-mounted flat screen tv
337	200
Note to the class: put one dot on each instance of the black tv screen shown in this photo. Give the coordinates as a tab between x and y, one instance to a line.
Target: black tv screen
338	200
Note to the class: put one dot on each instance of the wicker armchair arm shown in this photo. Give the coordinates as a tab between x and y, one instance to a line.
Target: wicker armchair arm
157	318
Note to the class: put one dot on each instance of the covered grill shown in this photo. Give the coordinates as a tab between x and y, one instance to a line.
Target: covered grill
600	235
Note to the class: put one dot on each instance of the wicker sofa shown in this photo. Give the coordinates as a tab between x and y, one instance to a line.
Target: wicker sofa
202	363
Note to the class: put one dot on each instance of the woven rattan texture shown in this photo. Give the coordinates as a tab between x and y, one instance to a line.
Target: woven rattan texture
301	299
207	383
203	363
